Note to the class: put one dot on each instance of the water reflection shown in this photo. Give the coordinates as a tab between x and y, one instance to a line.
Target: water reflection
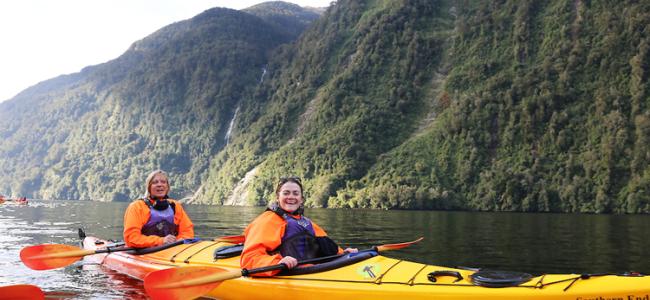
534	243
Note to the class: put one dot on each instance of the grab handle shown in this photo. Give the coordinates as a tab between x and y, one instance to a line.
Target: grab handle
432	276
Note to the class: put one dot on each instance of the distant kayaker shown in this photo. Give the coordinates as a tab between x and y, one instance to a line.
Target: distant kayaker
155	219
283	235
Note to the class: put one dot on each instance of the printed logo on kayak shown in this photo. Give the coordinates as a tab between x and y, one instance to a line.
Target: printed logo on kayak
369	271
628	297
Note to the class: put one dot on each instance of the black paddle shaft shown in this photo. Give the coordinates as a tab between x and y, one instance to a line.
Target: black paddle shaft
245	272
141	251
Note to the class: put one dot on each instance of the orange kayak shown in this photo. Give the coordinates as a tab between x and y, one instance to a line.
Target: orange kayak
374	277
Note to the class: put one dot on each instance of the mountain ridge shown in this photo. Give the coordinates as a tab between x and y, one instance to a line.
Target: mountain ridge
108	105
499	106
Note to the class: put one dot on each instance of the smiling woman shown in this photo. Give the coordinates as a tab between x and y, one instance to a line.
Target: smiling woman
155	219
283	235
289	194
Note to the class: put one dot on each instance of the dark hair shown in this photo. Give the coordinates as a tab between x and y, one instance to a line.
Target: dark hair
284	180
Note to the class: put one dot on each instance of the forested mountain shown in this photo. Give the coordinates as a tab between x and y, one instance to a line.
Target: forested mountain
412	104
165	103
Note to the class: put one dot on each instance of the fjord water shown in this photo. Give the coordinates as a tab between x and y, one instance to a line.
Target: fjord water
533	243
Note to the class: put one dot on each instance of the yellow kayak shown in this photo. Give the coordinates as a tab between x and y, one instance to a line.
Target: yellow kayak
369	275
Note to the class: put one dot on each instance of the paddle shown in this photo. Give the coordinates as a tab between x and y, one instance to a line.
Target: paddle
51	256
21	292
195	281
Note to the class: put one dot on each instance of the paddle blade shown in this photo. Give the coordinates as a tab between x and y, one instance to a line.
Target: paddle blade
21	292
48	256
235	239
186	282
397	246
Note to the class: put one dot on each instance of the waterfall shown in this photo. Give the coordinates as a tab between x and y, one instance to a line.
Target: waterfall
263	73
232	123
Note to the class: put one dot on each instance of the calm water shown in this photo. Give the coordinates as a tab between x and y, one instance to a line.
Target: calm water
534	243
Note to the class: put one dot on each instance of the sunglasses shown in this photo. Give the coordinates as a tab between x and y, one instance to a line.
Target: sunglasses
290	179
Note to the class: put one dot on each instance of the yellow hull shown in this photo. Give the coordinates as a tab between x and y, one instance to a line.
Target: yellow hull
376	278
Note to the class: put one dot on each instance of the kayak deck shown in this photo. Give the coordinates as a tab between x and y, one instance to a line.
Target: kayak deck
377	277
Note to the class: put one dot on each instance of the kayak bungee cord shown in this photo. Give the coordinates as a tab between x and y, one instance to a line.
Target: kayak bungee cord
187	260
379	279
173	258
412	280
538	285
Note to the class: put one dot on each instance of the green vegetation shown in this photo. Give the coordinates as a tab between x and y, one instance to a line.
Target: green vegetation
165	103
471	105
544	109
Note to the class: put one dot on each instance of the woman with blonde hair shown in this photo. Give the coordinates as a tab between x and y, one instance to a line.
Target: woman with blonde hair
155	219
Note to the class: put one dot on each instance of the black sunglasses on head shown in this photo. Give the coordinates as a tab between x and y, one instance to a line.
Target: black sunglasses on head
291	178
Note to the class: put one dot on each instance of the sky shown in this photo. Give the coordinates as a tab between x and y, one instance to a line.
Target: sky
41	39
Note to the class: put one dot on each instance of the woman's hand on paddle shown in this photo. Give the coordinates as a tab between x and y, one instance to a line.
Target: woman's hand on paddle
351	250
289	261
168	239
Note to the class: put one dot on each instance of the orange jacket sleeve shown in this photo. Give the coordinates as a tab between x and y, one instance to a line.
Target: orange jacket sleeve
137	214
